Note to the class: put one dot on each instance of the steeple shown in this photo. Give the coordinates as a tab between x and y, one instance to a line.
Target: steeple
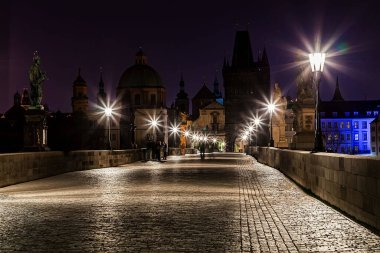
141	58
242	56
216	88
182	100
102	96
264	57
79	101
181	84
17	99
337	95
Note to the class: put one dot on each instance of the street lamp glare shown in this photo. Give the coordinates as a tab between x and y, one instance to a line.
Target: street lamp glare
108	111
250	128
271	107
257	121
187	133
317	61
154	122
175	130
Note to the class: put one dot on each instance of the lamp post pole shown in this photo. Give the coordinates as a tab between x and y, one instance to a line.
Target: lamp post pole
108	113
317	61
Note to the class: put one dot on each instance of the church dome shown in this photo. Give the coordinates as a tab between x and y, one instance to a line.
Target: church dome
140	74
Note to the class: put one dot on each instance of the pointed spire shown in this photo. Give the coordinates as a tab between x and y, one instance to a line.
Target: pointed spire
181	84
216	86
79	79
264	57
242	56
101	82
337	95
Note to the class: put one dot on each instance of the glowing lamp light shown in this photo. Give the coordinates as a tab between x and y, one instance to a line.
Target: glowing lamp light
271	107
187	133
257	122
154	122
214	140
317	61
250	128
108	111
175	130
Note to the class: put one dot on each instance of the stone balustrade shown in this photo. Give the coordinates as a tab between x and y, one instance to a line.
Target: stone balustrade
22	167
350	183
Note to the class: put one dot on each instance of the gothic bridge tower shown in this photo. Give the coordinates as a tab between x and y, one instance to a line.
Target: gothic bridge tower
246	82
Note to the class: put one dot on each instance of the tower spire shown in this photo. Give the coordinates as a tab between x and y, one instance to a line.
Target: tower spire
216	86
337	95
102	96
242	56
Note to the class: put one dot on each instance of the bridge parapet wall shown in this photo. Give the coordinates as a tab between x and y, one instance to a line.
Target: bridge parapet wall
350	183
22	167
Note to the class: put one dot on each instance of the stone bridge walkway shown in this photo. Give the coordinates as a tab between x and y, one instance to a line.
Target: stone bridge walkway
221	204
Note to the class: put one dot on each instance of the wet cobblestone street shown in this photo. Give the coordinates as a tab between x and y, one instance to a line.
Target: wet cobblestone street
225	204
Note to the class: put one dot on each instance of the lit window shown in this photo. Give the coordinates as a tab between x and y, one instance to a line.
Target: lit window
375	113
369	113
356	136
364	136
329	137
336	137
356	124
356	113
348	124
341	124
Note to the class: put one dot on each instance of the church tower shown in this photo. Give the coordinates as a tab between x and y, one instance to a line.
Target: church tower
101	97
245	83
182	100
79	101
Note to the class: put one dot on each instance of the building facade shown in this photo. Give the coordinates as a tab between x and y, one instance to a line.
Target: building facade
142	102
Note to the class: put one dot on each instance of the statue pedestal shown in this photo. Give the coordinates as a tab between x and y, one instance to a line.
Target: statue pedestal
35	130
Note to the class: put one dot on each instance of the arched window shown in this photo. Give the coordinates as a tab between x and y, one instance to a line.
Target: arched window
137	99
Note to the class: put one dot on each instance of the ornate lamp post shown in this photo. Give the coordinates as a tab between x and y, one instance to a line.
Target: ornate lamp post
317	61
271	108
108	113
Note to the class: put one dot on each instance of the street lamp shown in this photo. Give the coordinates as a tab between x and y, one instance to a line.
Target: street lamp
154	123
175	130
317	61
271	107
108	113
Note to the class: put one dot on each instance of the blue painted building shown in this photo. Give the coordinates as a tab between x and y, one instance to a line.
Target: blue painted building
346	124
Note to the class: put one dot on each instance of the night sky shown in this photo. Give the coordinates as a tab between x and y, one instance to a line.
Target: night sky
189	37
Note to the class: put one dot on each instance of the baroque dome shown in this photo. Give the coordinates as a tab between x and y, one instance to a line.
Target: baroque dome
140	75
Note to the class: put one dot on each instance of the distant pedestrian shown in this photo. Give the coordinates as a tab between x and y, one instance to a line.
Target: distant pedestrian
202	150
165	149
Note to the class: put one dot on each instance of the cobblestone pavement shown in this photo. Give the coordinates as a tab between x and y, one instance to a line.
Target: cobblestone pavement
217	205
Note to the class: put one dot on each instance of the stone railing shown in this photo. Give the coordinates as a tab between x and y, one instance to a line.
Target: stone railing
22	167
350	183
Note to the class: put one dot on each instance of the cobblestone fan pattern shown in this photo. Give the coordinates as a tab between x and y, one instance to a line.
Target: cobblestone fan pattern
188	205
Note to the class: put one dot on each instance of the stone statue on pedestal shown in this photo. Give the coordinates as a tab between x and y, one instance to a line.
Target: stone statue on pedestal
36	78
